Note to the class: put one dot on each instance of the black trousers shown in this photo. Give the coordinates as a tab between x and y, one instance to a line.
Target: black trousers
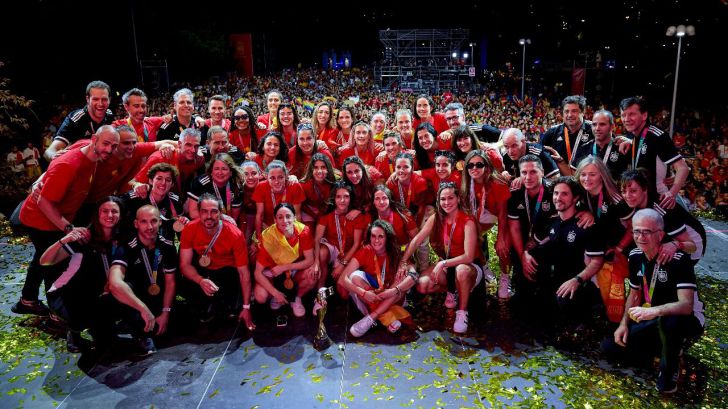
36	274
227	299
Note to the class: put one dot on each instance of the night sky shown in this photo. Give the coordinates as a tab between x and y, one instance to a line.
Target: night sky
52	49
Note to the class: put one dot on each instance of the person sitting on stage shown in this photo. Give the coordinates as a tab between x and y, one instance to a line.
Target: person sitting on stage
135	280
662	309
77	295
282	265
454	238
277	188
376	282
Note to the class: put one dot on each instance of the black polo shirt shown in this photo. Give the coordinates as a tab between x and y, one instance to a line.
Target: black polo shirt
616	162
540	218
136	273
87	273
607	217
203	184
133	202
655	153
567	245
172	130
78	125
549	166
677	274
555	137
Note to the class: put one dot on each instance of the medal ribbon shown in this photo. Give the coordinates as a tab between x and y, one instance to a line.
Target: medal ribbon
405	201
600	202
214	238
273	196
153	269
606	153
447	238
340	235
145	130
653	280
228	195
636	159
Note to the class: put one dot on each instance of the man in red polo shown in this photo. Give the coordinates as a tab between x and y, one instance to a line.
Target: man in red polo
145	127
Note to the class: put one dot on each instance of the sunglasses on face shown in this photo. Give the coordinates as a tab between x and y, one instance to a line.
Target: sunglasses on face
241	117
471	165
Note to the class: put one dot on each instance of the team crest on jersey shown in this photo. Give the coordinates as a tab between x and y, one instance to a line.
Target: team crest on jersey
571	237
520	207
604	208
662	275
559	139
644	149
613	156
546	206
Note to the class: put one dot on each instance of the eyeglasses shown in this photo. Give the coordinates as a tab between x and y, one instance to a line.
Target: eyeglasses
645	233
241	117
471	165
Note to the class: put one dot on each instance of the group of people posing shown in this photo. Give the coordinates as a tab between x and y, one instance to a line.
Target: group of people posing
134	212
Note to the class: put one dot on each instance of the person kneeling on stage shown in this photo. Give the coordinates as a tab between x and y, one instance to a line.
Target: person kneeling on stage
662	309
453	236
135	279
376	282
214	255
284	261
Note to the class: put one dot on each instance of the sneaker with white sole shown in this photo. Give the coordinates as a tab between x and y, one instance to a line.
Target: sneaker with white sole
461	321
362	326
274	304
488	274
451	300
504	287
298	309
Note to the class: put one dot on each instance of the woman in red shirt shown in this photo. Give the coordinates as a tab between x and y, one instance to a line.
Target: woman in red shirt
394	213
363	145
251	175
271	147
375	284
424	112
276	189
268	121
393	146
323	123
283	261
356	175
344	119
316	184
306	145
425	144
337	238
444	170
488	196
454	238
403	124
287	122
243	133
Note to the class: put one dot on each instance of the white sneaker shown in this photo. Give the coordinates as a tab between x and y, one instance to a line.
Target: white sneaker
504	287
298	309
461	321
316	307
451	300
274	304
488	274
362	326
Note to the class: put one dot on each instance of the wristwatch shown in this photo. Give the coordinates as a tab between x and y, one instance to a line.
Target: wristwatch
69	228
166	309
579	279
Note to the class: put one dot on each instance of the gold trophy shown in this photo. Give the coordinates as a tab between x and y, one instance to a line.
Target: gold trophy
322	341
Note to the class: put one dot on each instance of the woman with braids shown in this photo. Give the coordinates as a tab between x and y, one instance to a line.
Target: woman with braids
337	238
222	179
355	174
306	145
377	281
453	235
243	133
316	183
282	264
78	294
487	196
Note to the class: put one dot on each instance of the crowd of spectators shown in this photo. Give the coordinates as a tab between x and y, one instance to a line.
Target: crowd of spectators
703	139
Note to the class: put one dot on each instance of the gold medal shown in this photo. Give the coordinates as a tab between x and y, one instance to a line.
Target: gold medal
204	260
288	283
460	165
178	226
154	289
646	305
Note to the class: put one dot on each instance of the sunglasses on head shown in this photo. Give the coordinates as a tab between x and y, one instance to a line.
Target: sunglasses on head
239	117
471	165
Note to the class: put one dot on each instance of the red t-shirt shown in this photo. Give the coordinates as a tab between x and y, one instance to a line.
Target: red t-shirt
402	228
264	120
494	193
297	164
384	166
434	180
457	242
437	120
305	240
146	131
187	170
242	142
225	124
368	157
315	203
229	250
66	184
416	194
347	229
113	175
293	194
373	264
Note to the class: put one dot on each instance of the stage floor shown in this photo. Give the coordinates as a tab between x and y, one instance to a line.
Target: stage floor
499	363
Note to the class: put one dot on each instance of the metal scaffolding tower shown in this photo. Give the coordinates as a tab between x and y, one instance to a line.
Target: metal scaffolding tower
422	60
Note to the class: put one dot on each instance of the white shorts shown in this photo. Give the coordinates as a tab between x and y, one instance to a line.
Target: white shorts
333	252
